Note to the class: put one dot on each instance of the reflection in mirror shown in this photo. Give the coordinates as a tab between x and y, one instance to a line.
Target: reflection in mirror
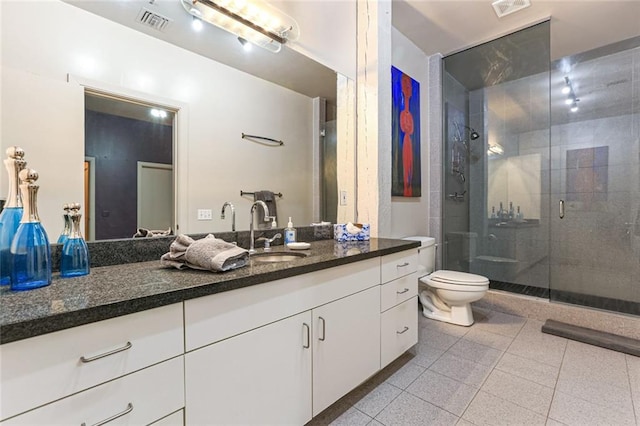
266	94
128	167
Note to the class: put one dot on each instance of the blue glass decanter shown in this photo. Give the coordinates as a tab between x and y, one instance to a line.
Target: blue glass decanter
75	255
67	225
12	212
30	250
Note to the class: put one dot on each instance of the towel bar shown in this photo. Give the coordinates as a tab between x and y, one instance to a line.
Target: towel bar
245	136
279	194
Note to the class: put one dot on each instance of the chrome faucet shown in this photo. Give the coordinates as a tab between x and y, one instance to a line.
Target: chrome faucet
233	214
266	214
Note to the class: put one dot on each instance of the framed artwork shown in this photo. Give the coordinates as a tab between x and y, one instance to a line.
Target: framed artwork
587	175
405	139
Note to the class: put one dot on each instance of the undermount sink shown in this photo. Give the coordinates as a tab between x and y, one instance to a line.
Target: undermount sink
277	256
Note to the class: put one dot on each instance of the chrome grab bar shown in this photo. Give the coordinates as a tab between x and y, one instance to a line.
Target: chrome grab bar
84	359
561	209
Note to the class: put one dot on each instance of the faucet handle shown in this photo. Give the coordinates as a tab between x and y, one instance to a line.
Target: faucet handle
268	241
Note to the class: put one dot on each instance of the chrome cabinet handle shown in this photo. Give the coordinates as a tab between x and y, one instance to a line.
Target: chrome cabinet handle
323	329
115	351
308	344
404	330
115	416
403	291
561	209
403	265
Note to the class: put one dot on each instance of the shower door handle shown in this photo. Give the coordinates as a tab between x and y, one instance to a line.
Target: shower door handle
561	209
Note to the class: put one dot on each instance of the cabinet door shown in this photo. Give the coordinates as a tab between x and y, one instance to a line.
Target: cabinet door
346	345
259	377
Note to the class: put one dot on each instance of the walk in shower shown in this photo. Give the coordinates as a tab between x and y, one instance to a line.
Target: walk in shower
542	169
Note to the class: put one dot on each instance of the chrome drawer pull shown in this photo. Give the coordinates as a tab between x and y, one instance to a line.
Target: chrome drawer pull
403	291
115	351
404	330
403	265
323	329
308	344
115	416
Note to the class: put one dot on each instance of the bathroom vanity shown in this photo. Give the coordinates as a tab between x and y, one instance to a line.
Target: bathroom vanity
268	343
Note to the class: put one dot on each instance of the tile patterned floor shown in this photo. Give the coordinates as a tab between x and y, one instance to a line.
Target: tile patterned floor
501	371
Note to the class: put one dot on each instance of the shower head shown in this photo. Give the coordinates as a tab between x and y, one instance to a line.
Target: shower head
474	135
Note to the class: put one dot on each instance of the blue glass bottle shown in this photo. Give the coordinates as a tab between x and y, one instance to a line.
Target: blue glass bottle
30	250
12	212
67	225
75	255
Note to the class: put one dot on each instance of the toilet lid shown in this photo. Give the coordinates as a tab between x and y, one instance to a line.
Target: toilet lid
456	277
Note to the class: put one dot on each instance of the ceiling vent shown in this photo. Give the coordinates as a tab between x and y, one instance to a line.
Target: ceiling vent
153	20
506	7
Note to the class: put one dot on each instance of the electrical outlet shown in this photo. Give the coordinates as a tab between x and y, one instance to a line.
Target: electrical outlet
205	214
343	198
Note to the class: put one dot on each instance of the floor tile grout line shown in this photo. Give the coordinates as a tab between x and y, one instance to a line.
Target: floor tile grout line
555	387
636	410
442	408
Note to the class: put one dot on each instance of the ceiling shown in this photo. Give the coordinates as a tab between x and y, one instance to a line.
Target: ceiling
448	26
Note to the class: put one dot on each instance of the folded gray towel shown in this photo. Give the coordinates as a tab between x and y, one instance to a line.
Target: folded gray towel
269	199
208	253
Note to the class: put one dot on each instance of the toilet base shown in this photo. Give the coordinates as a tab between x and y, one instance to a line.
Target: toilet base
458	315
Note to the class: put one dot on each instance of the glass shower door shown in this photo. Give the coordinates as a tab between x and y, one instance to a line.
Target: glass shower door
595	180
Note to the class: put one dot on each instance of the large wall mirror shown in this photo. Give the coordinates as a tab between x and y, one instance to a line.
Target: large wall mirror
285	96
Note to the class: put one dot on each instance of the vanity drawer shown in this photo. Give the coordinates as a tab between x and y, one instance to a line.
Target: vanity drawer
141	398
397	291
397	265
42	369
399	330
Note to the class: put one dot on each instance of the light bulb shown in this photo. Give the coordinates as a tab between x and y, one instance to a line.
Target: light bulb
566	90
196	24
568	101
574	108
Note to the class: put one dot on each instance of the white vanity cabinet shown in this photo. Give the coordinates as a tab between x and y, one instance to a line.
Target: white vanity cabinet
398	305
259	377
42	369
281	352
136	399
346	346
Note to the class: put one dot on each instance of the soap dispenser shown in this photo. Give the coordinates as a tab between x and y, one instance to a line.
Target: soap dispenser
289	233
67	225
30	251
74	261
12	212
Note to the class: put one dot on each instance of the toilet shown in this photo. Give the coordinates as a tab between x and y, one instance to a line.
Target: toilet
446	295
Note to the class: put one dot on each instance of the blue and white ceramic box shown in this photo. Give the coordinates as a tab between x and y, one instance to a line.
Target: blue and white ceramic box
340	232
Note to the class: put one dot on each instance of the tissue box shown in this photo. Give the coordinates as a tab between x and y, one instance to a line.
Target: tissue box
340	232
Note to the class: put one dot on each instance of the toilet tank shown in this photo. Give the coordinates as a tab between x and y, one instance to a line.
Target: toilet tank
426	254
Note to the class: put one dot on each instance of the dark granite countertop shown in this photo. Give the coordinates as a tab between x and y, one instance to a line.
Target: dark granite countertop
112	291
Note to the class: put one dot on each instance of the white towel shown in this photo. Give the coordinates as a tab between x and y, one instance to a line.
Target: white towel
208	253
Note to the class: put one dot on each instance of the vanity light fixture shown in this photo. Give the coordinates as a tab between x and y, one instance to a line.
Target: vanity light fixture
572	100
246	46
252	20
196	24
566	89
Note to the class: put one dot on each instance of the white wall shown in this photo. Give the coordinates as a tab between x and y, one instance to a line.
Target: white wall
410	216
327	31
219	103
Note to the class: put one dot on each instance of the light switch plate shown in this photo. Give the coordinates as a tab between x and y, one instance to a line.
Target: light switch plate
343	198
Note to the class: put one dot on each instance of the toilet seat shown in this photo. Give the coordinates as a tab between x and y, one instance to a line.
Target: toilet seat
454	279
